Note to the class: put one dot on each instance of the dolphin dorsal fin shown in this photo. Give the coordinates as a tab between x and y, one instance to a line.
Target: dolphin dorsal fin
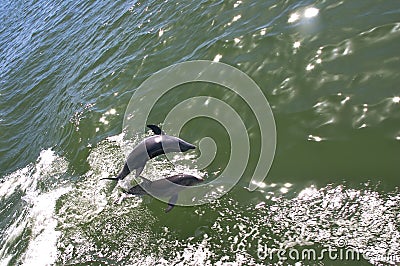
156	130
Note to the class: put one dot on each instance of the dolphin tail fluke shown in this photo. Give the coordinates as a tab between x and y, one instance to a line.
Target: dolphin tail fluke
125	171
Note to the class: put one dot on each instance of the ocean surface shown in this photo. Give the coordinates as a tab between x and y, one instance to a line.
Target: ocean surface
329	69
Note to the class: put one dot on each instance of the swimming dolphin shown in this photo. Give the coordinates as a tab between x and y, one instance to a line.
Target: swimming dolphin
165	187
150	148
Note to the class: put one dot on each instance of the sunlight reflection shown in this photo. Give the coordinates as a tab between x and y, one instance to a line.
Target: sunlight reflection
220	189
311	12
236	18
284	190
237	3
287	184
111	112
296	44
217	58
259	184
396	99
293	18
308	13
314	138
363	126
345	100
310	67
103	120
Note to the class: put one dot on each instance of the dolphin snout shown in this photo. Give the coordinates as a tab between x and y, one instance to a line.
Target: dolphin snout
184	146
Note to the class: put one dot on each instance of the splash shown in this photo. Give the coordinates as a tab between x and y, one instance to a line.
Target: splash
44	229
354	224
32	214
93	227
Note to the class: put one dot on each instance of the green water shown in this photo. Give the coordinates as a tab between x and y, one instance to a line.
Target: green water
69	68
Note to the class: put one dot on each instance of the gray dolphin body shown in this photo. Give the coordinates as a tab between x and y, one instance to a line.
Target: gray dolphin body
150	148
165	188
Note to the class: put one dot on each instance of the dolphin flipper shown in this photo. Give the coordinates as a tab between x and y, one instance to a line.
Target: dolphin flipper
156	130
171	203
136	190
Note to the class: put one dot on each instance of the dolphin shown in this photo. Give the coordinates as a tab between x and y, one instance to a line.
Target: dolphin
149	148
165	187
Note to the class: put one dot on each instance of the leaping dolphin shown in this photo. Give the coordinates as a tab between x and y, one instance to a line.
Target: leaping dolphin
165	188
150	148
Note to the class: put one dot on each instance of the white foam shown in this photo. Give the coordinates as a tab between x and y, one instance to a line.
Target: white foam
18	179
26	177
11	233
6	260
42	248
38	214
